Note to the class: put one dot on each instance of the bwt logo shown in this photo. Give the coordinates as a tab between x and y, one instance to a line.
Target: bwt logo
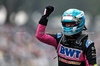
69	52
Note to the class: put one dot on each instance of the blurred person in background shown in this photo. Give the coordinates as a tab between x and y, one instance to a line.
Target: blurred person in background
40	58
97	45
38	55
73	47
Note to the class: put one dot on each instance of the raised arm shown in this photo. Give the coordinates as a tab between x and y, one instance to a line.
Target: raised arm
40	33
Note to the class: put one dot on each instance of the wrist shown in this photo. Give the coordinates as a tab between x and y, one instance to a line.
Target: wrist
44	20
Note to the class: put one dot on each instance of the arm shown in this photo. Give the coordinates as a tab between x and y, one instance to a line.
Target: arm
40	33
90	54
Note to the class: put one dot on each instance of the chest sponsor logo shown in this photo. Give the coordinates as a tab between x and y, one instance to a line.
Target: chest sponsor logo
70	52
69	62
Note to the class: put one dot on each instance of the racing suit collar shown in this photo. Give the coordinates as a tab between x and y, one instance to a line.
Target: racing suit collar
73	37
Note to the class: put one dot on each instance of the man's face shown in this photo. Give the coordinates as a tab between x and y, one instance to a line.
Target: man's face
69	24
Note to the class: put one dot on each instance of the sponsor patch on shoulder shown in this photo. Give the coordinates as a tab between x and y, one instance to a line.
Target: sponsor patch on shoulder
59	35
88	43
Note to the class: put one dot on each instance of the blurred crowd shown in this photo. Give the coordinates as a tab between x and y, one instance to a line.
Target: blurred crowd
18	47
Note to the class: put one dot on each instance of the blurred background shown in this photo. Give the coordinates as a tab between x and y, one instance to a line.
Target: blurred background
18	24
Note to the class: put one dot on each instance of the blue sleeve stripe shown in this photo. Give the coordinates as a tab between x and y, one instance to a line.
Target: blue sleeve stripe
88	43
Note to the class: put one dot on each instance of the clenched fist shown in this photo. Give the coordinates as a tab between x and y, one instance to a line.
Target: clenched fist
48	10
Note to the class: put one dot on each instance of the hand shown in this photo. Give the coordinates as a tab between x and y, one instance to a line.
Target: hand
48	10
